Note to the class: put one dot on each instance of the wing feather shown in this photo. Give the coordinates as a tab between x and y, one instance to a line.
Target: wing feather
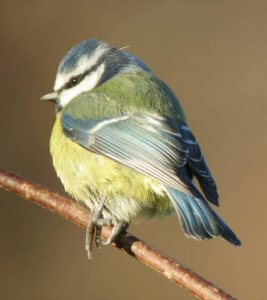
198	166
145	143
149	145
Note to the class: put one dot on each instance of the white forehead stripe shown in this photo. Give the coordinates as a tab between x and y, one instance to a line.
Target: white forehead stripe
83	64
88	83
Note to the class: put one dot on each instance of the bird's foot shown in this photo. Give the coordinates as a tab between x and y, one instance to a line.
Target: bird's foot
118	228
93	231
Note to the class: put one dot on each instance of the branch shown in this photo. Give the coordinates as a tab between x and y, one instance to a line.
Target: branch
153	258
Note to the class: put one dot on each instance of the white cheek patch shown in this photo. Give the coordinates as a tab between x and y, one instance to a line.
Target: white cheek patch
85	63
87	84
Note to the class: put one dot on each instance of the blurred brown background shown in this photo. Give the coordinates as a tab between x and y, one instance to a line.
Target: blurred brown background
213	54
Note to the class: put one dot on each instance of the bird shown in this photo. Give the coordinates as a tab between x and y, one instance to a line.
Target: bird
122	147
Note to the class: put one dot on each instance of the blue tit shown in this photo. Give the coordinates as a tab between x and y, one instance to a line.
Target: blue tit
121	146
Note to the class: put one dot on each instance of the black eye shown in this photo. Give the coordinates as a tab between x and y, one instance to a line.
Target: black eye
73	81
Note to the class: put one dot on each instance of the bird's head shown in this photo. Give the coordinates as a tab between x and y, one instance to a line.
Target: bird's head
87	65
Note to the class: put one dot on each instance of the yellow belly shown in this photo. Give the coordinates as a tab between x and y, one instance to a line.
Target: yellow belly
89	177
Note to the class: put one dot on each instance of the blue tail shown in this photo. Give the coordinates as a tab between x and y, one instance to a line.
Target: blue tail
197	218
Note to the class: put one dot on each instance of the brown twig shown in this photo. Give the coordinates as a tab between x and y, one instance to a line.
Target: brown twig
133	246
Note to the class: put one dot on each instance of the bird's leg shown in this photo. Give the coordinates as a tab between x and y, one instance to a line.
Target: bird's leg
118	228
94	225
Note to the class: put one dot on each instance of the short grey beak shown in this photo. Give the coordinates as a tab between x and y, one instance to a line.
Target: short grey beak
50	97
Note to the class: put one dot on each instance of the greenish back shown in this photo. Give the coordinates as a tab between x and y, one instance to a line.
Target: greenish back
128	92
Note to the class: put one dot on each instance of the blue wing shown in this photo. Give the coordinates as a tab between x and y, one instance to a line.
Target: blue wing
198	166
145	143
148	144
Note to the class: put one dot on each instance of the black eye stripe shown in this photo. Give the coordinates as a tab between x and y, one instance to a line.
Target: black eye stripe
80	77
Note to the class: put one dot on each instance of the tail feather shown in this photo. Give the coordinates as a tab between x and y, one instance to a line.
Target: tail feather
226	232
197	218
191	226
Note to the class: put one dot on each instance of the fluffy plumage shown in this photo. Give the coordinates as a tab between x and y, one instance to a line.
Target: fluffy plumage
121	135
